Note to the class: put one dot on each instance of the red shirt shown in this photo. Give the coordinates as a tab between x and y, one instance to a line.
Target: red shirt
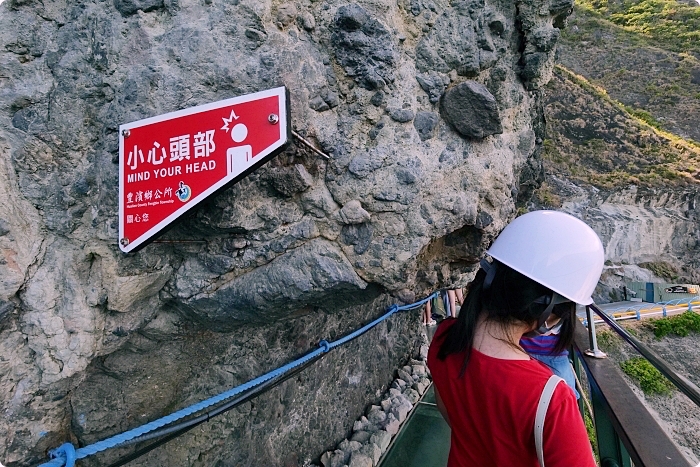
492	412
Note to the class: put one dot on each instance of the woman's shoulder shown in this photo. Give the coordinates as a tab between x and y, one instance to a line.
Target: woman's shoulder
444	325
439	338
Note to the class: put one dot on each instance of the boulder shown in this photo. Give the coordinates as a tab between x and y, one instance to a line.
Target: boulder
472	110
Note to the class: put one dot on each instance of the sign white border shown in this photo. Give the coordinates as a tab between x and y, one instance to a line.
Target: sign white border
282	124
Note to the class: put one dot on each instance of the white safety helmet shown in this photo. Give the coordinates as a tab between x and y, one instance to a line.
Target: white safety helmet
554	249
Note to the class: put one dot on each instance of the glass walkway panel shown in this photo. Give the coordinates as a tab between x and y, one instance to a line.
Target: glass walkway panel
424	439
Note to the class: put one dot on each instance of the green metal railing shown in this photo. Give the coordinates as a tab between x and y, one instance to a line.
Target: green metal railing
626	436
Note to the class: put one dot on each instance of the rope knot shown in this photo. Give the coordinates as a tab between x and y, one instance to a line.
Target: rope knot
393	308
67	451
324	345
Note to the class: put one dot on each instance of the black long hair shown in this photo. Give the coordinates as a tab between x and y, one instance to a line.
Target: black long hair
567	313
508	298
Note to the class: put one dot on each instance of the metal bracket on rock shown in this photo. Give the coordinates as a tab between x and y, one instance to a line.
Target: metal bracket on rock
309	145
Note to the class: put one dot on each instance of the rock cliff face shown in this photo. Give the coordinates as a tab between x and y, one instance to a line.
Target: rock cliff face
431	114
640	226
637	188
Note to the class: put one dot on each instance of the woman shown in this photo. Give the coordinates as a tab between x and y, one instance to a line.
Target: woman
487	387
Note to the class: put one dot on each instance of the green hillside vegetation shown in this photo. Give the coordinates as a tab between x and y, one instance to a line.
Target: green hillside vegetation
645	54
668	24
678	325
662	269
647	377
593	139
650	380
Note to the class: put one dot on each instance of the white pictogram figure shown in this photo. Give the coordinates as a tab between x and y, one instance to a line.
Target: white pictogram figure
204	144
236	154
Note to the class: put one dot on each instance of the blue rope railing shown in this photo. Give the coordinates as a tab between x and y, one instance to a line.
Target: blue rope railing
67	454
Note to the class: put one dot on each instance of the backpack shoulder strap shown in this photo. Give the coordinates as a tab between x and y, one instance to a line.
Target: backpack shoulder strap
542	407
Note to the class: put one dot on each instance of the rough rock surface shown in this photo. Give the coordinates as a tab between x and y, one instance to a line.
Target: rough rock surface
94	341
372	433
645	225
641	226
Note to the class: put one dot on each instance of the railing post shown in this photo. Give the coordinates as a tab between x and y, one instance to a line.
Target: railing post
594	351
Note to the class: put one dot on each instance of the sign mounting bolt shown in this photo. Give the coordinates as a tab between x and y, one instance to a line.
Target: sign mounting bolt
124	241
126	133
273	119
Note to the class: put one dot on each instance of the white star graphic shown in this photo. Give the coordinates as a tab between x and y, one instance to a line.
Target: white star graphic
229	120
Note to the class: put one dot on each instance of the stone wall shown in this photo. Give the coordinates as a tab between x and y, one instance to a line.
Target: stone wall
431	114
638	226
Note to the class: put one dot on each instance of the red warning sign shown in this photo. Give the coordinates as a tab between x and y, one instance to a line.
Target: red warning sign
170	163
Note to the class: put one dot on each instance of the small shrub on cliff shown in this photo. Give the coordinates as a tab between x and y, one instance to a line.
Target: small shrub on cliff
666	173
644	116
649	378
661	269
546	196
607	340
679	325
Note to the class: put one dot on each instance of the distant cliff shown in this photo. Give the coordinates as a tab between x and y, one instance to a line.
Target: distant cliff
615	161
617	110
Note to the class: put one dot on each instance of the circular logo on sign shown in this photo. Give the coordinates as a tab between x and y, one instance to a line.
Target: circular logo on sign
183	193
